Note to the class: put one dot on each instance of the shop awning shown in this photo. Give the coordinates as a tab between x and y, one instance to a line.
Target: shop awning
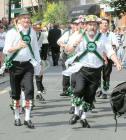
89	9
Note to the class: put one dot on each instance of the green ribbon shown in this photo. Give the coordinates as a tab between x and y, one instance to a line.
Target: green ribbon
76	101
27	39
69	91
79	101
106	85
86	106
8	61
91	47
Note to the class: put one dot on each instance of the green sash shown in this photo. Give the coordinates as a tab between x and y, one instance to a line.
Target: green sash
8	61
27	39
91	47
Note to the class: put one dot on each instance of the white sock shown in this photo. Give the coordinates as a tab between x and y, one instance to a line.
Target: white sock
99	89
104	91
76	110
73	105
22	99
39	92
81	107
27	114
83	116
16	114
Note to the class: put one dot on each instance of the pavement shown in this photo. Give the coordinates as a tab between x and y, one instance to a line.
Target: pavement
51	118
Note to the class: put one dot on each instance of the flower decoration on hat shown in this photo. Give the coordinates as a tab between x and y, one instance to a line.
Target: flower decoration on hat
92	18
81	18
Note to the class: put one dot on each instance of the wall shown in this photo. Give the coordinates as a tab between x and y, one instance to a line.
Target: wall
3	8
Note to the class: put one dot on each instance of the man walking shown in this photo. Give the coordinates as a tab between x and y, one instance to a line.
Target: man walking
22	51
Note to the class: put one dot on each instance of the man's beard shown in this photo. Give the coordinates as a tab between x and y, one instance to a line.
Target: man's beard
91	33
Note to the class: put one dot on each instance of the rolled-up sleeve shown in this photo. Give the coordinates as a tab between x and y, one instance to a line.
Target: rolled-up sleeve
35	46
64	38
8	41
109	49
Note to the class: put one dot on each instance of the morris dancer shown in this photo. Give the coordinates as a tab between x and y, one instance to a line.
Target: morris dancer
107	68
87	69
22	51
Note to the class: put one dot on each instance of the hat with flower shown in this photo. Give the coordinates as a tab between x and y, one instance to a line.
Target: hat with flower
92	18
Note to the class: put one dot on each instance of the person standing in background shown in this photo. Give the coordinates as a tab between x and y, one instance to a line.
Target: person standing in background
45	44
107	67
53	36
2	41
39	76
5	23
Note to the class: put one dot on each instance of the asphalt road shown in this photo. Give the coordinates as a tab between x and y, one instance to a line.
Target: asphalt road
51	117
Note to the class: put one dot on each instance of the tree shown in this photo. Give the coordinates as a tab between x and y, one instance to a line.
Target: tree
38	14
56	13
119	6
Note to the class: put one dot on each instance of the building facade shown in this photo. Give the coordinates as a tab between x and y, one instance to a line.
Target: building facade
4	6
29	3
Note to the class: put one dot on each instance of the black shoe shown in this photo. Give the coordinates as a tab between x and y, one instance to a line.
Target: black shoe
64	94
85	124
72	109
40	97
29	124
104	96
99	93
74	119
17	122
93	106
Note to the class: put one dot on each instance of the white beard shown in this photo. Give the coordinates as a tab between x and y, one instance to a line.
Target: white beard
91	33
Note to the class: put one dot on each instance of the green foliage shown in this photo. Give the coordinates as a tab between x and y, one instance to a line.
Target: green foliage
119	6
15	1
36	16
56	13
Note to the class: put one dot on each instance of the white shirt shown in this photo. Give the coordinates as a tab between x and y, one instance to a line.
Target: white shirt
11	40
65	37
39	39
2	39
44	35
90	59
110	36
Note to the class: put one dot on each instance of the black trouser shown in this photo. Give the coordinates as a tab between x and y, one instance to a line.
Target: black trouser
64	58
85	83
55	55
66	79
107	69
22	73
44	51
39	84
66	83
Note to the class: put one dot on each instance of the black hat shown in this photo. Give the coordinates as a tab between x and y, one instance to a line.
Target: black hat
72	20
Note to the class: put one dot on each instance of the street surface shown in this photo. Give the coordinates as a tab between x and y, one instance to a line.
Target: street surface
51	117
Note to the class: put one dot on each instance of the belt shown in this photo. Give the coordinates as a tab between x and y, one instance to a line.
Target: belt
88	68
20	62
